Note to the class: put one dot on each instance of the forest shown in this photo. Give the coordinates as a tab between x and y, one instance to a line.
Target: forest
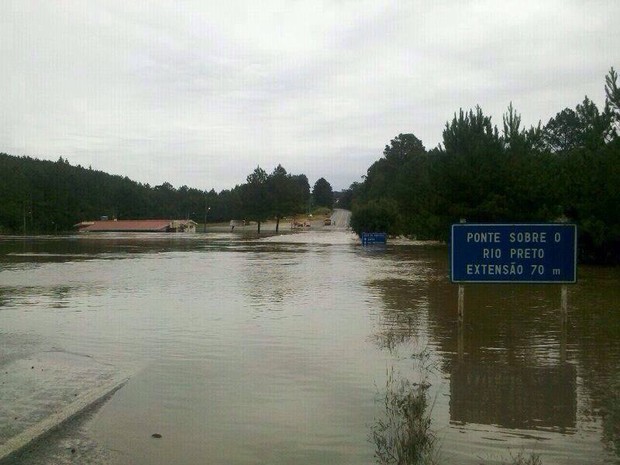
39	196
565	171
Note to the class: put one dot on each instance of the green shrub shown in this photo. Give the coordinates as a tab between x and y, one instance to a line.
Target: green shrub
376	216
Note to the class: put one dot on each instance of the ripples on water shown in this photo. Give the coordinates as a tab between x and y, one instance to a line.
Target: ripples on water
275	350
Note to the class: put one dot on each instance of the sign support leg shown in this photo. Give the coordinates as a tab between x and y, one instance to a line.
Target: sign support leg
564	302
461	312
563	322
461	303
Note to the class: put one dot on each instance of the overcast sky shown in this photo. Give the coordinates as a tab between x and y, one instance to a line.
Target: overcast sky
199	93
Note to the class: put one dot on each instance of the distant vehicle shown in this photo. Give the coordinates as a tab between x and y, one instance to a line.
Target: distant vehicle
300	224
327	221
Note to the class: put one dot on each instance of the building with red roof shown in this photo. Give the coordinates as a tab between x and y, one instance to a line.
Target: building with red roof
137	226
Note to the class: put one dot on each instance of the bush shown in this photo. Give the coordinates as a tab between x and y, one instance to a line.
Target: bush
403	434
376	216
321	211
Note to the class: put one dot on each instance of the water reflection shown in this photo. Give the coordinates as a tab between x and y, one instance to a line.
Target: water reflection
515	364
269	282
514	396
610	412
59	249
403	433
261	340
60	296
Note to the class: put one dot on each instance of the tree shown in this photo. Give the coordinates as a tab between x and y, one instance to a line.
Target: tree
561	133
583	127
302	189
594	125
230	204
569	168
376	216
322	194
345	198
386	177
515	140
612	102
255	196
472	177
283	194
471	133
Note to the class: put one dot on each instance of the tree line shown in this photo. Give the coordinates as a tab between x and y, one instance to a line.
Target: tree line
567	170
39	196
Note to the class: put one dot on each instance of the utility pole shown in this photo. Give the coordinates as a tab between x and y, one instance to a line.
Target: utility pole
206	210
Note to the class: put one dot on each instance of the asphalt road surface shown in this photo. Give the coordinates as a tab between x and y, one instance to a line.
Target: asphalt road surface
340	218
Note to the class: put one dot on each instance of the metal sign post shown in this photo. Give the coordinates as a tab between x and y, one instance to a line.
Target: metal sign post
564	303
461	304
514	253
563	322
461	319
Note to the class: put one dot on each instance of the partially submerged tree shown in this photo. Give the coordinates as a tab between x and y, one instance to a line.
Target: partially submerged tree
286	194
273	195
376	216
322	194
255	197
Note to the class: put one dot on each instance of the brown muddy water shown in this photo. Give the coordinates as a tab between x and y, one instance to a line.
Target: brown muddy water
277	350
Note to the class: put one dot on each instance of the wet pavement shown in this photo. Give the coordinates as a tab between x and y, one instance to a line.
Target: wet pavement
41	391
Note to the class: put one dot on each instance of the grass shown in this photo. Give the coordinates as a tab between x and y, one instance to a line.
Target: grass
521	459
403	434
321	211
611	417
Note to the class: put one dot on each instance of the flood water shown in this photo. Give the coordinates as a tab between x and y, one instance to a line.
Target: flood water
277	350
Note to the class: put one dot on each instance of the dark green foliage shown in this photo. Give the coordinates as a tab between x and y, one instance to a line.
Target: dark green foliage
392	175
302	187
322	194
38	196
473	169
376	216
255	197
584	127
590	194
568	170
287	194
561	132
403	176
344	199
273	196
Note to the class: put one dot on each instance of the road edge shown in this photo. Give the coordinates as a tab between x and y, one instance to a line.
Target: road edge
17	444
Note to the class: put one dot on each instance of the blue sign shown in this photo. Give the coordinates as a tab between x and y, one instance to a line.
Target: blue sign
503	253
373	238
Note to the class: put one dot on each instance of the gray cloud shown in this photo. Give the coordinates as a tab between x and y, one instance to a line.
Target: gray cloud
200	93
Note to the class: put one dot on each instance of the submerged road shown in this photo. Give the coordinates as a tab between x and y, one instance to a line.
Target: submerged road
341	218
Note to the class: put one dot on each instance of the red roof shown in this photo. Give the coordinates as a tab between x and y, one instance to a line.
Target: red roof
128	225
